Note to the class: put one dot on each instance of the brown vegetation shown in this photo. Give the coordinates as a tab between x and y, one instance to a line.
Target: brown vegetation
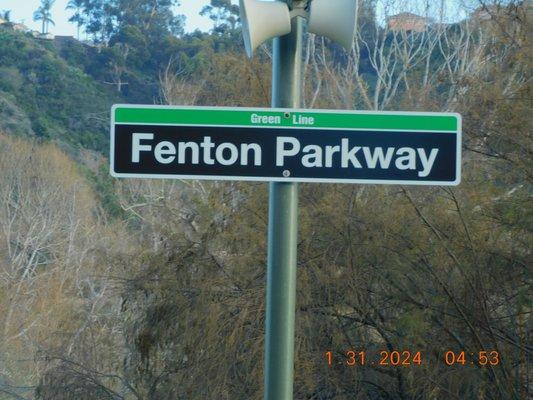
167	301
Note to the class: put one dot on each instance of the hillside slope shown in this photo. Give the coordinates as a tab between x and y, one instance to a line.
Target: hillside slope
42	94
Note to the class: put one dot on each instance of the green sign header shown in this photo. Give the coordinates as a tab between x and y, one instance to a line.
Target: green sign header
271	118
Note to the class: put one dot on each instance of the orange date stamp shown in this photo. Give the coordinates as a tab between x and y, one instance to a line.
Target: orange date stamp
406	358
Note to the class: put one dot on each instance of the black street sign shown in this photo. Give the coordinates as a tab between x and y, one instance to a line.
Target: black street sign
286	145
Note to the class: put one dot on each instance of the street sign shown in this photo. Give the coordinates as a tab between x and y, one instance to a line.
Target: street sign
285	145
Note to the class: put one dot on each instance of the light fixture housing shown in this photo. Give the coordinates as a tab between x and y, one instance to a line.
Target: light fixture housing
335	19
264	20
261	21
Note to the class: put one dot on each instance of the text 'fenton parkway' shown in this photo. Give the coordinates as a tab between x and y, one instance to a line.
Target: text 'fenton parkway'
343	154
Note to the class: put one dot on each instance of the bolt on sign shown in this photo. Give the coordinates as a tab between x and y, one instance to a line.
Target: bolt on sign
284	145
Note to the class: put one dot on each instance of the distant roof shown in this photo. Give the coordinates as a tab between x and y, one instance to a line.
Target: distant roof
408	15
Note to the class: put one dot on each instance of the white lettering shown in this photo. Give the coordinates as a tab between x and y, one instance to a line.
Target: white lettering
164	149
281	152
245	149
234	154
314	159
427	162
407	161
301	120
207	145
265	119
330	150
378	156
182	156
136	146
349	155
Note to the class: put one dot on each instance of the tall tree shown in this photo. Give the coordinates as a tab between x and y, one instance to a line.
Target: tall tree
6	15
224	15
154	17
105	19
98	16
44	14
78	17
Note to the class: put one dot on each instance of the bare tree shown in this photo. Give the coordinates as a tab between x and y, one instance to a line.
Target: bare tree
176	86
393	63
52	292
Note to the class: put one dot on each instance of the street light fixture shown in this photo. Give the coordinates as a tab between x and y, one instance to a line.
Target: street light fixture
264	20
261	21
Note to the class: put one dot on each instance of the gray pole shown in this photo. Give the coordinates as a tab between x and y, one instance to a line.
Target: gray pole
283	229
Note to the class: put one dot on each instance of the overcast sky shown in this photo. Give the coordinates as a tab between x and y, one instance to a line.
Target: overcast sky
22	11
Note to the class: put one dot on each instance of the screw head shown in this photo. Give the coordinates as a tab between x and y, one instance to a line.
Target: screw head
286	173
287	114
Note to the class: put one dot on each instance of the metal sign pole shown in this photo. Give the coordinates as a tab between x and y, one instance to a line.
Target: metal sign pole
283	230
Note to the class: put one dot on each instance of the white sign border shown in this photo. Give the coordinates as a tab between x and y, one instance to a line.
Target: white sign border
459	133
